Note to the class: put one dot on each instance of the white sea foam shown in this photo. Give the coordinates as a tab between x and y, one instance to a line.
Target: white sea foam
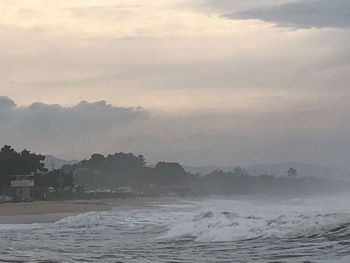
4	227
126	219
191	232
229	220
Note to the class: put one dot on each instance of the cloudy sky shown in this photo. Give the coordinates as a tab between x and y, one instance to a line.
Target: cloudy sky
216	82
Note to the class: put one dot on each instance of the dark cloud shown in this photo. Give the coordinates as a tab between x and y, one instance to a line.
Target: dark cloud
312	131
56	126
95	116
303	14
236	5
6	104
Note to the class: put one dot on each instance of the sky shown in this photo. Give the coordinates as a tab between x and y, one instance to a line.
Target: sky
201	82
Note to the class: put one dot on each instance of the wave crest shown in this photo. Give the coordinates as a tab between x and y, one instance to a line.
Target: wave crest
209	226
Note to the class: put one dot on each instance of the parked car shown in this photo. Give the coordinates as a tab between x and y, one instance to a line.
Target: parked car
103	190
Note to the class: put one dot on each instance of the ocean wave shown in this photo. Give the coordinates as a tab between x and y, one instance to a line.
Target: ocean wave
5	227
213	226
131	220
85	220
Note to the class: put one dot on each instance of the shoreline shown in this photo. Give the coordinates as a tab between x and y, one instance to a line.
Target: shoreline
52	211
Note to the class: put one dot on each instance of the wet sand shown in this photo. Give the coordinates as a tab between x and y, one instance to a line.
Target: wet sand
50	211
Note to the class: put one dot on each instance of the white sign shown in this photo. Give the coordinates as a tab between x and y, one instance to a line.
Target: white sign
22	183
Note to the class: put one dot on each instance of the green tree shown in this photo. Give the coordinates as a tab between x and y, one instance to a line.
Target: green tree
58	179
15	163
170	173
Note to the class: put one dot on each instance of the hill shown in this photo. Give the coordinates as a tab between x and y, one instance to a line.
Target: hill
280	169
56	163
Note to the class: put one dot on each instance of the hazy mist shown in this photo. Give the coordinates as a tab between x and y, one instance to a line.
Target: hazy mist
201	82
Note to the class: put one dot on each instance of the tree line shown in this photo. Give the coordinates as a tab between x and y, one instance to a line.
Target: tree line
28	163
127	169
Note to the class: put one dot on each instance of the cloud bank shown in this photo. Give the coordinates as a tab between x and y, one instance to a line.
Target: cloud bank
44	126
302	14
314	132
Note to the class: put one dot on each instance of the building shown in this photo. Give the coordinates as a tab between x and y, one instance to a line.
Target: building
22	185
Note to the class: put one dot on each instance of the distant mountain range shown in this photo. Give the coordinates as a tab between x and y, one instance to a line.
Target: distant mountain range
52	162
280	169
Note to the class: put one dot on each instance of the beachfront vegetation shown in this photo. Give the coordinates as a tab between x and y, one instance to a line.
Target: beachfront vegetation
125	171
18	163
27	163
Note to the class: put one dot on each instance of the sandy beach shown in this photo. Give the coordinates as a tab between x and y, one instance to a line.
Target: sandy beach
50	211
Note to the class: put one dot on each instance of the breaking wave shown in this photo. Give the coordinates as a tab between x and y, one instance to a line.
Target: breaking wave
219	225
132	220
302	230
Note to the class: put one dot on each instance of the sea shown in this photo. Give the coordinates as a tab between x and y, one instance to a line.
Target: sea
212	229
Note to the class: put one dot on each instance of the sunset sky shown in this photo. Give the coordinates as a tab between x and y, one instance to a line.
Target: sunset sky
202	82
